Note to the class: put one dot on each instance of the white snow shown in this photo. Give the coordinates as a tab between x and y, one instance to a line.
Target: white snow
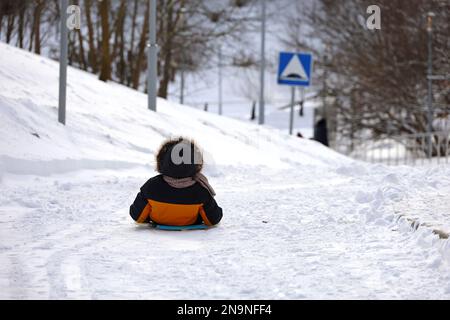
300	221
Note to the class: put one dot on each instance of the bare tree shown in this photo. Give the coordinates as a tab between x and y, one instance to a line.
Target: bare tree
39	7
105	71
141	51
113	37
92	54
376	79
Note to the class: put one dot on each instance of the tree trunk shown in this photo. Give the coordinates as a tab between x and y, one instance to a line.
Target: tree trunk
105	72
37	25
133	23
10	27
81	54
140	57
21	25
119	28
98	36
119	41
161	27
167	55
30	45
1	23
122	65
130	54
92	54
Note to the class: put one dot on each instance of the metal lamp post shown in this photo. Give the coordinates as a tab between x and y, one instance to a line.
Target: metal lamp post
220	81
430	16
263	63
152	58
63	63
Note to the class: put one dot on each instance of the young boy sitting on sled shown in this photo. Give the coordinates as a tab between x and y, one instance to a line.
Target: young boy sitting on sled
180	195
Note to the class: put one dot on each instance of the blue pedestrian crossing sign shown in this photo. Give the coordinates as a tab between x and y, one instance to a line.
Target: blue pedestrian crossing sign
294	69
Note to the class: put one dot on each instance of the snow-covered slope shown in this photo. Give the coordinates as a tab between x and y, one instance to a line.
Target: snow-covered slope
301	221
109	125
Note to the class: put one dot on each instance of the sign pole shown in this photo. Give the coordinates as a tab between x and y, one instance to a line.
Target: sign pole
63	63
430	88
263	63
152	58
220	80
291	118
182	85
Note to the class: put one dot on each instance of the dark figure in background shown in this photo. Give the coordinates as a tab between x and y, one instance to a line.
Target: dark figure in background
320	132
253	114
299	135
300	110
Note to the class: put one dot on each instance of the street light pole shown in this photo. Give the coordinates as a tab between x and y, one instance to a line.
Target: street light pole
291	116
263	62
63	63
220	81
182	82
152	58
430	16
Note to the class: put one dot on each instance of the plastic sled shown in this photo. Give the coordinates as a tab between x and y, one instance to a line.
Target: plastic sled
179	228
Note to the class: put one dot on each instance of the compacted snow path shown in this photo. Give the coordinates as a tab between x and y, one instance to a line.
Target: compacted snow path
301	221
284	235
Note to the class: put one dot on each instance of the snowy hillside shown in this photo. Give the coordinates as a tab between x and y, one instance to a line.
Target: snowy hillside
300	221
109	122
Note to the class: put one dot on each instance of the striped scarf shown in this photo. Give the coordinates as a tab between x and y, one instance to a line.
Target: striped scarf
190	181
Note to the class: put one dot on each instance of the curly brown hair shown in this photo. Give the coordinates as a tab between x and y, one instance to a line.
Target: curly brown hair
165	165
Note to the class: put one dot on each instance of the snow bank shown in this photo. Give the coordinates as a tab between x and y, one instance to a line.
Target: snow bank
410	197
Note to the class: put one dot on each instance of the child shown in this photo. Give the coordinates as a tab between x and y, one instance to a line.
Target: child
180	195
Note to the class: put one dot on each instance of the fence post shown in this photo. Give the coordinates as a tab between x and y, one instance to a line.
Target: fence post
389	156
397	153
447	146
423	148
439	148
406	151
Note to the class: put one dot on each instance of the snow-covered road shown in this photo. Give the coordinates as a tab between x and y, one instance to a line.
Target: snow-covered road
284	235
300	220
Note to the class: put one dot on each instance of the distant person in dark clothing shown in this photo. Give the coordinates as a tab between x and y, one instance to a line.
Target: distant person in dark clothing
253	114
321	132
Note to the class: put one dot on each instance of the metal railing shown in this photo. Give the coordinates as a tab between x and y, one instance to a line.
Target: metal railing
411	149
